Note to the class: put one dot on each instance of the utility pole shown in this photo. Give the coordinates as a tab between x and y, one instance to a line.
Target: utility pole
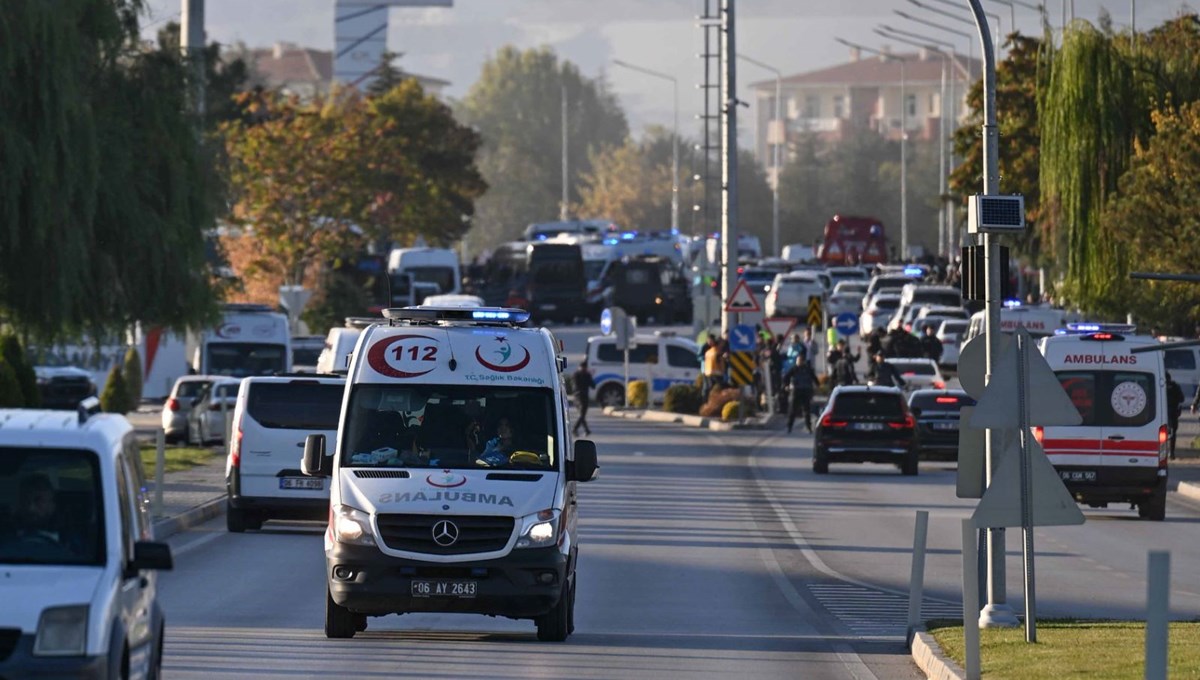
563	210
997	612
191	43
903	163
729	193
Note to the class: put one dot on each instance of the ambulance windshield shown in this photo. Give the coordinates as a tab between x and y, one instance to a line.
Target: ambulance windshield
441	426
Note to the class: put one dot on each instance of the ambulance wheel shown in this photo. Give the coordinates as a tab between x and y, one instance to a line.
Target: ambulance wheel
555	625
610	395
1154	508
339	621
820	463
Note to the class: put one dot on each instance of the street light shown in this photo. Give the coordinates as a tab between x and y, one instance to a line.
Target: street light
947	29
777	147
674	137
1040	8
903	140
999	26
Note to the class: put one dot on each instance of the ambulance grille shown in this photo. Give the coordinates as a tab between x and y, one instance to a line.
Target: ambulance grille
414	533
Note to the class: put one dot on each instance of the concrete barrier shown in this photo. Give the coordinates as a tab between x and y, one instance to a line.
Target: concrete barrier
169	526
929	658
654	416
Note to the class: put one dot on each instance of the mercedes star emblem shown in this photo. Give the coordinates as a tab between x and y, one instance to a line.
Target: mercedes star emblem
445	533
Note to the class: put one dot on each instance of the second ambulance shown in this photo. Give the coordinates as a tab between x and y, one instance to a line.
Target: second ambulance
1119	452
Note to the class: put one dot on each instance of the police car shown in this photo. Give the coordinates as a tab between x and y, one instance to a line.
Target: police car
1119	452
453	474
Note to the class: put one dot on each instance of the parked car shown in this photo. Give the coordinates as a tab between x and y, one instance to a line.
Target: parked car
206	420
918	373
864	424
179	402
790	293
77	553
63	387
878	313
951	333
262	471
937	413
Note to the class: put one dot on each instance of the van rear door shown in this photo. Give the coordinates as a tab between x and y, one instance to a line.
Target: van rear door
278	416
1131	433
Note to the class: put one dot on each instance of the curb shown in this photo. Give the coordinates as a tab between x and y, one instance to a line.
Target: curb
169	526
929	658
1189	490
684	419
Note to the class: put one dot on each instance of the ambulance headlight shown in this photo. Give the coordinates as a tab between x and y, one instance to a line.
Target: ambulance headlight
62	631
539	530
351	526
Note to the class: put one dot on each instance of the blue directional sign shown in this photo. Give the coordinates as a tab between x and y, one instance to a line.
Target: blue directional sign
606	322
741	338
846	323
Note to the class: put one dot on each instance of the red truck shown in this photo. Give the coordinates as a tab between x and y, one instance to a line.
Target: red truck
850	239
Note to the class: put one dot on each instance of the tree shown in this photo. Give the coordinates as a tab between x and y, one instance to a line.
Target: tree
224	78
1153	221
10	388
131	371
114	398
516	105
387	75
12	354
627	185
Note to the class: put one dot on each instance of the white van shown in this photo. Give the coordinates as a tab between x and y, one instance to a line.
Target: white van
453	474
272	419
1039	321
339	345
661	359
428	265
250	340
1119	453
77	554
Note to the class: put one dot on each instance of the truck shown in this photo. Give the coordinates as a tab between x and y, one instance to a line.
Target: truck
850	239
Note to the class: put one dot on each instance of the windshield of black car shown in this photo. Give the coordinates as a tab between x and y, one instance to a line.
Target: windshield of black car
51	507
913	367
868	404
450	426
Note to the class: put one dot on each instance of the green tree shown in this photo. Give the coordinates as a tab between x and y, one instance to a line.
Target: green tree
224	78
12	354
10	388
132	373
629	186
114	398
516	105
387	75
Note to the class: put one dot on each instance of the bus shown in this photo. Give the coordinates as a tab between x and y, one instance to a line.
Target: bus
849	239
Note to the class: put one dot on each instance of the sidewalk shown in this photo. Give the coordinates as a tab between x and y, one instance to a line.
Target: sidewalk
190	497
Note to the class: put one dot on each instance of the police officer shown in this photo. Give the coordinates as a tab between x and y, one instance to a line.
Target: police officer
802	381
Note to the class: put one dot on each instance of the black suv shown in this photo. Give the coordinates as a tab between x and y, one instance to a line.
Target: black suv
863	424
937	421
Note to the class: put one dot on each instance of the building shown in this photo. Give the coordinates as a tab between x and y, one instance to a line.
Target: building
862	94
306	72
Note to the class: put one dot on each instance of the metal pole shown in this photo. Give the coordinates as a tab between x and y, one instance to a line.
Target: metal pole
778	159
970	600
729	204
903	164
1158	590
191	43
943	228
997	612
563	211
916	580
1027	553
952	107
160	462
675	158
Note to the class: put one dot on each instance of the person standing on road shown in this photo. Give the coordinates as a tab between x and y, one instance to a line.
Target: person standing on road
884	374
931	346
582	381
802	382
812	349
1174	405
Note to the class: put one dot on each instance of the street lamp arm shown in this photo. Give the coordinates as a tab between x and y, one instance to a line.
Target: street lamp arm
926	43
938	10
758	63
932	24
642	69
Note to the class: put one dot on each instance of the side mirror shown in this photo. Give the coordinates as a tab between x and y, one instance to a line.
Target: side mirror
584	469
314	463
151	555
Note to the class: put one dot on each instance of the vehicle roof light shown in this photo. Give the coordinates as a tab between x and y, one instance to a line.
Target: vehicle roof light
914	271
434	314
1012	303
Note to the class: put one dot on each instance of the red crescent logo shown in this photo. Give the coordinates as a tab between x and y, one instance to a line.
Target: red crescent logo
504	369
451	482
377	357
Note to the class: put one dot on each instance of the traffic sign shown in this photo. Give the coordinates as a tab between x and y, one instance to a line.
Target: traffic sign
780	326
606	321
815	316
1048	403
741	367
742	300
972	359
846	323
1050	502
741	338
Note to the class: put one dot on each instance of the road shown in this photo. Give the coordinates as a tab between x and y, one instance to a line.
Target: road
704	555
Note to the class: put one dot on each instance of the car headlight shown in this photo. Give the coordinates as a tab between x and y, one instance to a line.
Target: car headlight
352	526
62	631
539	530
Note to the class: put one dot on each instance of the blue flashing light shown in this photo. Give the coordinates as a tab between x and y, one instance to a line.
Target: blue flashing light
628	235
1093	327
914	271
1084	327
1012	303
610	241
542	237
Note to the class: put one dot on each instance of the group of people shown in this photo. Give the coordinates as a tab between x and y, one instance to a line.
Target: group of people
899	343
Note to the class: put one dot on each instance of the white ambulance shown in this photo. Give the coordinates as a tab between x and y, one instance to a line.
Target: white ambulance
454	473
1119	453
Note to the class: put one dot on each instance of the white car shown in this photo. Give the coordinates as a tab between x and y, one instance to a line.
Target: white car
918	373
843	303
179	402
790	293
879	312
662	360
272	418
206	419
79	563
951	333
856	287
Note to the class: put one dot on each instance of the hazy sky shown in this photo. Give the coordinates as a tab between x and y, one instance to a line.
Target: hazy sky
791	35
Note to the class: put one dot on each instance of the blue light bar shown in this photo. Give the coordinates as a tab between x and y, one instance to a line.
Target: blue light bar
610	241
1081	328
430	313
1012	303
542	237
914	271
628	236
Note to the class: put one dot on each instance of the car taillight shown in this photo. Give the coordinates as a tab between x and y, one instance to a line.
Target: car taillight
828	421
172	404
908	423
235	448
939	384
1038	433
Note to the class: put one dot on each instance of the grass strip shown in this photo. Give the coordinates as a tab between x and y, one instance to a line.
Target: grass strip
177	458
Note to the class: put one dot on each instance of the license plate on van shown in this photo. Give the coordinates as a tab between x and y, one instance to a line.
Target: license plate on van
445	588
301	483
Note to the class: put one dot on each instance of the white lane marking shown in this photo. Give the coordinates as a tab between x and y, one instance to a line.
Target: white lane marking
192	545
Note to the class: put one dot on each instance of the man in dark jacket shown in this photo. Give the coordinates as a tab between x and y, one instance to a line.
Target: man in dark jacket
582	381
884	374
802	381
930	345
1174	404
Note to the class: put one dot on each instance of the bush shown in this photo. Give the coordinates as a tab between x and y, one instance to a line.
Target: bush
132	372
731	411
115	397
682	399
717	400
12	354
11	395
638	394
